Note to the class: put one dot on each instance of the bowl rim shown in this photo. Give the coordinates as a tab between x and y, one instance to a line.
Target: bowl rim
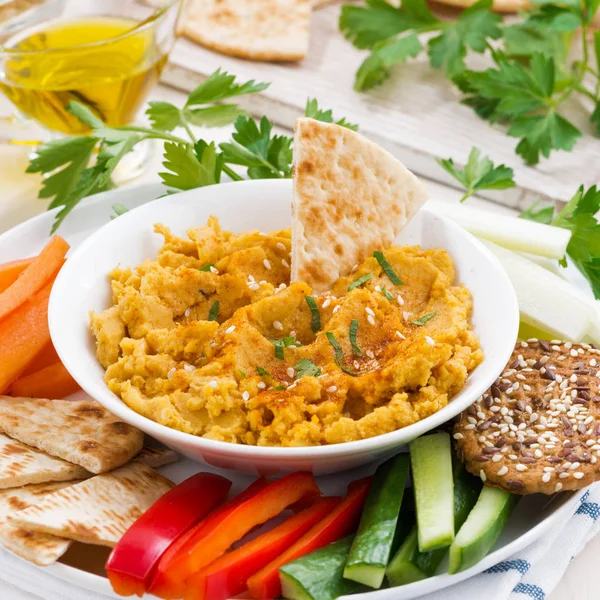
387	440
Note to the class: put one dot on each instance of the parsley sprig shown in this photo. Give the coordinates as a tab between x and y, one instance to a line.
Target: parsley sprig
77	167
532	72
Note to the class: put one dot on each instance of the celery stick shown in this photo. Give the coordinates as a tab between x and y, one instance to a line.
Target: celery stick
509	232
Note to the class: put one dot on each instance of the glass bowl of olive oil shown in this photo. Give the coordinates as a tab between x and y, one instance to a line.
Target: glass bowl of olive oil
107	55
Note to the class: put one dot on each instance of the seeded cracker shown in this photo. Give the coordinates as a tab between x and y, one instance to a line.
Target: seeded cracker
537	429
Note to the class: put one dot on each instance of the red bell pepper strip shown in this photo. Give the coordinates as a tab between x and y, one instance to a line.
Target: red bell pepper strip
215	538
342	521
226	577
132	561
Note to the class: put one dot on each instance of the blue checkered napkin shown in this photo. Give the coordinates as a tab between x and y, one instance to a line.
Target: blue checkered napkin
533	573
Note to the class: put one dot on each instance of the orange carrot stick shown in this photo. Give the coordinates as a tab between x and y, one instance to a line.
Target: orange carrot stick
34	277
53	382
43	359
10	271
22	336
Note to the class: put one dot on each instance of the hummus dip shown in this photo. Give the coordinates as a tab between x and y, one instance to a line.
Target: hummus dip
211	339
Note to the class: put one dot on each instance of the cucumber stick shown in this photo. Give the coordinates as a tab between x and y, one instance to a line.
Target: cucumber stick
480	531
372	545
408	564
318	575
431	462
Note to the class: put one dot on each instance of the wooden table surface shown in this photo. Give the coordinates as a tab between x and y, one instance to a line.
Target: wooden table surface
18	202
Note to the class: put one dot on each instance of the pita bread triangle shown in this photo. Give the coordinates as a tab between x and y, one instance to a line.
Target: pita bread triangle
39	548
98	510
21	465
81	432
253	29
350	198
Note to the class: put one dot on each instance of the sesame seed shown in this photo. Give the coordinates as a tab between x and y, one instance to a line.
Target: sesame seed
497	457
267	263
558	487
482	475
354	268
400	300
371	320
254	286
277	325
520	467
262	282
564	475
213	384
458	436
331	389
503	470
546	477
291	371
189	368
261	385
370	354
369	311
281	246
171	373
400	335
187	312
285	263
377	288
469	426
578	475
214	270
246	396
336	308
573	353
407	315
430	340
326	303
230	329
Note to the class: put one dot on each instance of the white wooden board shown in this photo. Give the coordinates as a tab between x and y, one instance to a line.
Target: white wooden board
416	114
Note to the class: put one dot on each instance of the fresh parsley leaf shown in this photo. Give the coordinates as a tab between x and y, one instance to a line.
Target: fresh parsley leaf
315	321
353	333
364	26
422	320
541	215
313	111
118	210
282	343
306	367
263	373
213	313
221	85
189	168
242	374
523	40
279	388
387	294
164	115
387	269
358	282
479	174
472	30
376	68
206	267
339	354
214	116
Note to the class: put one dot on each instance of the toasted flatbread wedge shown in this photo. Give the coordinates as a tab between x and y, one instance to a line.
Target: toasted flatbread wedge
350	198
253	29
21	465
99	510
39	548
81	432
156	456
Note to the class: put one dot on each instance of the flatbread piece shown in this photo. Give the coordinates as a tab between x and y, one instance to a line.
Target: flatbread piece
350	198
275	30
156	456
21	465
81	432
41	549
99	510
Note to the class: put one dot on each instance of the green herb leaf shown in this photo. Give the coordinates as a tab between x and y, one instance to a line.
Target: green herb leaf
164	115
422	320
219	86
282	343
213	313
353	333
479	174
315	322
119	210
313	111
542	215
190	168
339	354
242	374
206	267
387	269
306	367
279	388
263	373
387	294
358	282
214	116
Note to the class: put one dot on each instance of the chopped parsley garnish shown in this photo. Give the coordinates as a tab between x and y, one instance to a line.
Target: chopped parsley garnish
306	367
360	281
206	267
315	314
263	372
422	320
339	354
387	269
387	294
242	373
282	343
213	313
353	333
279	388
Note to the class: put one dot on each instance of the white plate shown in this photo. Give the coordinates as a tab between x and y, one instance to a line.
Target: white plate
534	515
266	205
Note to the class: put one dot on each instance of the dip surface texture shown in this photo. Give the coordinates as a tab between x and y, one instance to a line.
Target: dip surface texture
211	339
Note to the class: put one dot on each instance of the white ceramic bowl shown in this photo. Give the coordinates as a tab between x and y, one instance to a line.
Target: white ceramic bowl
82	285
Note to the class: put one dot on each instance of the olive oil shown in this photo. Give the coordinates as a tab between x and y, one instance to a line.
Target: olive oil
108	64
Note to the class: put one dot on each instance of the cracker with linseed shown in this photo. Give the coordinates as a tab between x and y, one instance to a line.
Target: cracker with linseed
537	429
